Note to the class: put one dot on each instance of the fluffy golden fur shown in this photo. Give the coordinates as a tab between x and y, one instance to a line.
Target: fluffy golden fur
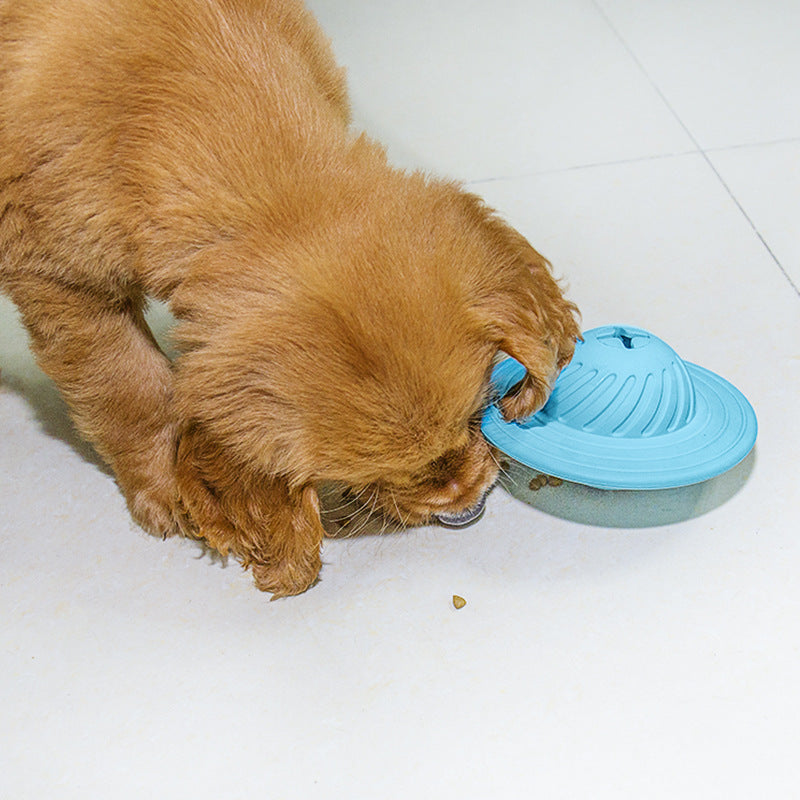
338	318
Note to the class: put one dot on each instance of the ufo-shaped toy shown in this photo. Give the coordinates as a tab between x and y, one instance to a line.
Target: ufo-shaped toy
627	413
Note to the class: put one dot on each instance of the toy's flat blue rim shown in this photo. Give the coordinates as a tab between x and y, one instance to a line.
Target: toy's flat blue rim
721	433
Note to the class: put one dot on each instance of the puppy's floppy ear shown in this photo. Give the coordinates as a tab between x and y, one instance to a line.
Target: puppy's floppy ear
270	526
532	320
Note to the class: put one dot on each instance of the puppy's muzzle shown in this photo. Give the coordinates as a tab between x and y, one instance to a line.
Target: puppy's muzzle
461	519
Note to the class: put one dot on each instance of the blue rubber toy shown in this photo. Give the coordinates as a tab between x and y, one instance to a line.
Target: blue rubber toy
627	413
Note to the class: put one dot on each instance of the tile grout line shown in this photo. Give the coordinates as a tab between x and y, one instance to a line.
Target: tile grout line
578	167
724	148
752	225
691	136
696	151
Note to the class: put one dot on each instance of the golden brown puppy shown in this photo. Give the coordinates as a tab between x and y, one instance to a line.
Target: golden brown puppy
338	317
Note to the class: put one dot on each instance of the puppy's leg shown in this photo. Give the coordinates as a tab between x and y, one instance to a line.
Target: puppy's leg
270	526
117	383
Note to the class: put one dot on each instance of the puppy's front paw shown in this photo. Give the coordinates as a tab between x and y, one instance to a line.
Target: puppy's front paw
287	577
148	480
544	364
154	509
527	398
268	525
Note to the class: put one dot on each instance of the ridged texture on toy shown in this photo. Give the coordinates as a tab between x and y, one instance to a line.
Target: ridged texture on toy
649	392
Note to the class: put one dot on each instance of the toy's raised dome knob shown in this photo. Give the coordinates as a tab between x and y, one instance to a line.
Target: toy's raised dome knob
642	390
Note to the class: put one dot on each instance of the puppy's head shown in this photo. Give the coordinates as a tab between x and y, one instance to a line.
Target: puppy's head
362	352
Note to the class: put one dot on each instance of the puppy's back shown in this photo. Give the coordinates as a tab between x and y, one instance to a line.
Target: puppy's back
124	118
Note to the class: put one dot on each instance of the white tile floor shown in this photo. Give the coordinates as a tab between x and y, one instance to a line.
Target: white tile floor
614	645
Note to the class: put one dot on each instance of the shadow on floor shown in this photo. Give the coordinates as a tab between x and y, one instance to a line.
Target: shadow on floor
22	376
50	412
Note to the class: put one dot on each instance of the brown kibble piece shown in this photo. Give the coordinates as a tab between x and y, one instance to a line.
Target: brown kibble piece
537	483
459	602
